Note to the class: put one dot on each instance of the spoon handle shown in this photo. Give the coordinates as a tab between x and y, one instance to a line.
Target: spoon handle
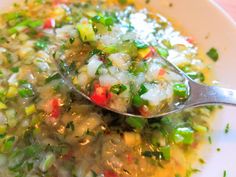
204	95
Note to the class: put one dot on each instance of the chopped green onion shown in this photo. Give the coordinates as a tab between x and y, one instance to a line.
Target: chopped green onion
140	45
47	162
180	90
165	150
225	173
15	69
138	101
227	128
118	89
135	122
213	54
184	135
41	44
25	92
142	90
162	52
8	144
196	75
53	77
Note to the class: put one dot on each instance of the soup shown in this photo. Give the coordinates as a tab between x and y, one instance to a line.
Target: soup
45	130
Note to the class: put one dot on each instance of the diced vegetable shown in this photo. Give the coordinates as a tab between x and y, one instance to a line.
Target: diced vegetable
132	139
49	23
12	92
29	110
165	150
162	52
146	52
25	92
100	95
140	45
213	54
184	135
135	122
118	89
109	173
180	90
87	33
138	101
41	44
55	107
3	106
53	77
47	162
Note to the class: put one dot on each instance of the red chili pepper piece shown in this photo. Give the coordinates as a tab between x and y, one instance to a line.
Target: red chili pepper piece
191	40
109	173
55	106
100	95
144	111
49	23
161	72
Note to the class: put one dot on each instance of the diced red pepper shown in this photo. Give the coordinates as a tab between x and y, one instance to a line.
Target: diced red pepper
49	23
144	111
108	173
55	108
161	72
191	40
101	95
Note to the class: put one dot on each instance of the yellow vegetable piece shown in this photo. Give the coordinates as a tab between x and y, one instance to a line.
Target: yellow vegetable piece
30	110
87	33
3	129
132	139
3	106
143	53
12	92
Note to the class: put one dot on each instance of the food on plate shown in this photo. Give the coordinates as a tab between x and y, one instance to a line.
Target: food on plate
116	54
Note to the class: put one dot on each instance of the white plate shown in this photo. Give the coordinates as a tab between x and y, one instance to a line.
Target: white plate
201	18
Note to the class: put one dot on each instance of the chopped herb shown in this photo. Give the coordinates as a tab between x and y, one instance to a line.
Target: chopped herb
213	54
227	128
118	89
209	140
53	77
42	43
140	45
165	150
72	40
180	90
15	69
202	161
142	90
138	101
225	173
70	125
163	52
135	122
184	135
25	93
218	149
8	144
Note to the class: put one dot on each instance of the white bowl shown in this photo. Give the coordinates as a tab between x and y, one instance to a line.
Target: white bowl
200	19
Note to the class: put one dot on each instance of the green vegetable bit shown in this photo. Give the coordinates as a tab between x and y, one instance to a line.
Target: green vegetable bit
162	52
180	90
41	44
213	54
25	93
184	135
118	89
140	45
135	122
53	77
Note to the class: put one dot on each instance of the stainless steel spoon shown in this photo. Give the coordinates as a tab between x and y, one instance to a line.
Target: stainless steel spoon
200	95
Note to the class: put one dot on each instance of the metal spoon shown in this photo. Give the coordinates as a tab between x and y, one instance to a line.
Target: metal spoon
200	95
